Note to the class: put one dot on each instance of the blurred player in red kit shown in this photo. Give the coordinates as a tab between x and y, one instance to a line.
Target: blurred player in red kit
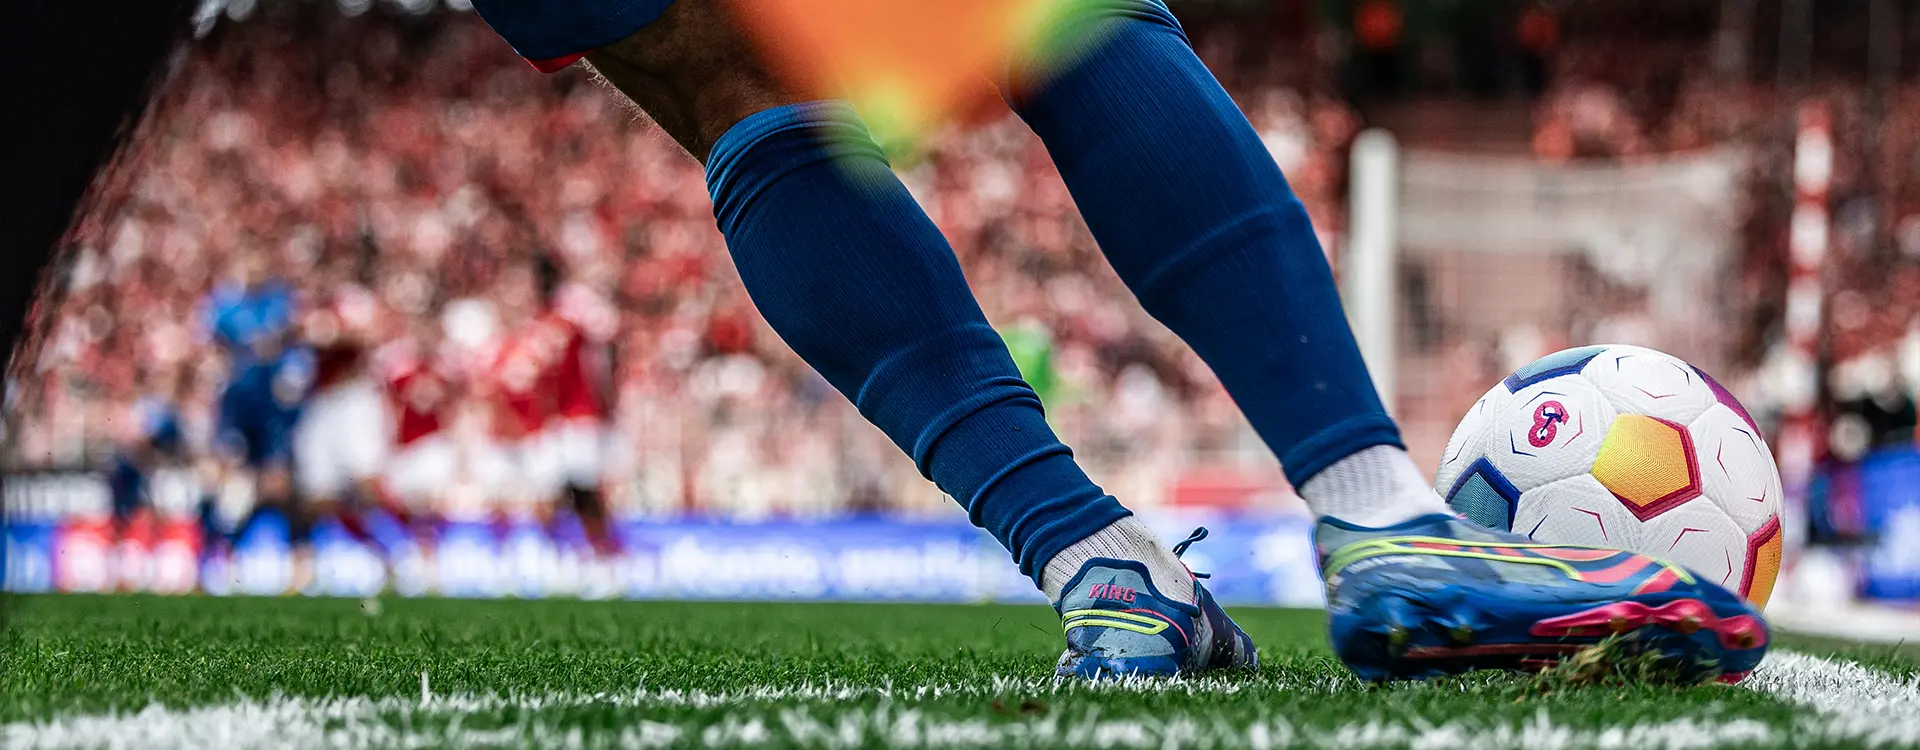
513	385
340	443
548	386
419	393
580	381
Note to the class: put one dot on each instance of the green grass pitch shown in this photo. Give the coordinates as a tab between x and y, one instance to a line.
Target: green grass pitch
205	672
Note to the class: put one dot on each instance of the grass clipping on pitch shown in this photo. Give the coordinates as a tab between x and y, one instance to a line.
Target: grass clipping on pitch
1612	663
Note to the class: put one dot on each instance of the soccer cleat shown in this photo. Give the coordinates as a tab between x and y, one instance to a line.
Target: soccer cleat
1118	625
1439	595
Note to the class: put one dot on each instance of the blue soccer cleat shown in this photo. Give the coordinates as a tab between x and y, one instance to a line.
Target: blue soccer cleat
1438	595
1118	625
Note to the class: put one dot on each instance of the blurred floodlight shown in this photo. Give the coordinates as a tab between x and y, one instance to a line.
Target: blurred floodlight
413	7
205	15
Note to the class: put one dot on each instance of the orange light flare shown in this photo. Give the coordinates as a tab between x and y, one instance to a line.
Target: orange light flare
907	66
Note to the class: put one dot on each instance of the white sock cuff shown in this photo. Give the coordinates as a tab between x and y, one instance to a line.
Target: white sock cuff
1377	486
1125	539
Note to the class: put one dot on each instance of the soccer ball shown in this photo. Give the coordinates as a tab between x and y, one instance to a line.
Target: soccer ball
1627	448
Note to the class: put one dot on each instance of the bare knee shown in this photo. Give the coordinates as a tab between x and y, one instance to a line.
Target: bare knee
695	72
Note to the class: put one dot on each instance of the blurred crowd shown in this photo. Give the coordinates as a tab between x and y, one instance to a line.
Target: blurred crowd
415	159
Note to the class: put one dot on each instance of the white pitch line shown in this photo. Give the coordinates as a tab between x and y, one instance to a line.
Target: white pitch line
1842	702
363	722
360	721
1851	702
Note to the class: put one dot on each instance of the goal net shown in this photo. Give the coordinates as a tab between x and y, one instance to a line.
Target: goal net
1462	267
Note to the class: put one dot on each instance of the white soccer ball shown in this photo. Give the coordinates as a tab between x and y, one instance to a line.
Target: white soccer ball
1628	448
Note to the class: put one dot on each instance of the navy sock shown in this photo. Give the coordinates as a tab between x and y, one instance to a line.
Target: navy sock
1190	209
854	276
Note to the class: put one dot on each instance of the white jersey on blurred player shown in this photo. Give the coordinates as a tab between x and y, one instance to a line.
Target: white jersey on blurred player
341	440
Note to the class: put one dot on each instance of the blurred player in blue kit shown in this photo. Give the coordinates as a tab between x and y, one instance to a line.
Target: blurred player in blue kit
158	439
1192	213
251	319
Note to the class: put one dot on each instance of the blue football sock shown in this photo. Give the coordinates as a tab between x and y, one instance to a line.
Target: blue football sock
856	278
1190	209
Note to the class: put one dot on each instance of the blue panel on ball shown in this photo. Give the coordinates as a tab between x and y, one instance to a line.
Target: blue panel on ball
1484	496
1563	362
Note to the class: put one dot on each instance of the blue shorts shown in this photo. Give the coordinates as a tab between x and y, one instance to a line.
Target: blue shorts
255	425
553	34
127	483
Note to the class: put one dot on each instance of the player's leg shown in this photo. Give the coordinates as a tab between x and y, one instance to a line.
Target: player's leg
417	474
251	450
127	486
320	479
216	530
543	469
583	441
274	493
127	483
317	472
858	281
358	434
1196	218
851	273
1190	209
311	473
